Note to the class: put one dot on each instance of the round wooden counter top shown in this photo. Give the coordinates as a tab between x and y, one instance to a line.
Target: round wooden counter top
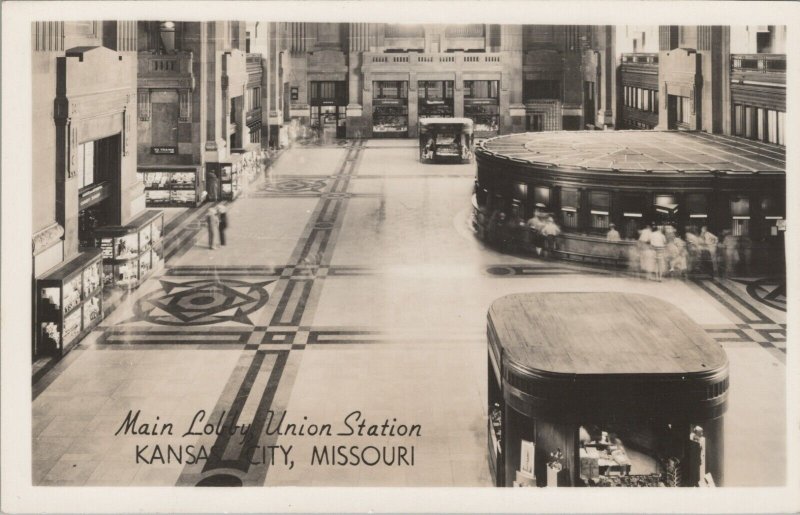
605	350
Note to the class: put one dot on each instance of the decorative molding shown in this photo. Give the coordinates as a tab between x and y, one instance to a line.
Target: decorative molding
72	151
126	129
144	104
47	237
184	105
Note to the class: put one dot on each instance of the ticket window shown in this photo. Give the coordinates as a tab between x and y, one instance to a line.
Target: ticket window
697	208
569	208
519	197
599	202
541	198
740	216
633	210
773	215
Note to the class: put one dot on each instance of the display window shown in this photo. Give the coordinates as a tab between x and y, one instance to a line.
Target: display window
170	187
390	119
486	117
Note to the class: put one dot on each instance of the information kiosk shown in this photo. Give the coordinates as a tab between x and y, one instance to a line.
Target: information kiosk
603	389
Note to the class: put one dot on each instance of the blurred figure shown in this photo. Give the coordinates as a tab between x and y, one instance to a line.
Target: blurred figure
694	247
535	226
710	242
678	261
658	242
550	231
645	251
612	234
212	221
730	248
222	214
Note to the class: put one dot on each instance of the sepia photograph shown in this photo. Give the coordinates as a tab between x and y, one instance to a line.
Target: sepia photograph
291	252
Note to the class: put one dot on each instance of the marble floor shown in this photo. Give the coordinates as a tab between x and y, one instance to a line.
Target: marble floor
350	290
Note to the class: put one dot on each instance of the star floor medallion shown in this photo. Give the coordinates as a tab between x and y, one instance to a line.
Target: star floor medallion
203	302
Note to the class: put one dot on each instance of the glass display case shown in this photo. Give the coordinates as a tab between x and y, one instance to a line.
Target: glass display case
171	186
69	303
132	252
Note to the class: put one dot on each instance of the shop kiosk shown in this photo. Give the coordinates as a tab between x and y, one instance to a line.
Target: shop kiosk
132	252
445	140
603	389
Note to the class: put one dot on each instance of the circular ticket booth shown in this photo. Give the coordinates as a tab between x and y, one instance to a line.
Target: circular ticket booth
603	389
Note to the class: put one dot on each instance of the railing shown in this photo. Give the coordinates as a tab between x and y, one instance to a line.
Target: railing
762	63
640	58
456	58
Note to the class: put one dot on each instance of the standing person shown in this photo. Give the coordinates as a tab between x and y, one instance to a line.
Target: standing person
613	233
222	214
658	242
212	221
710	242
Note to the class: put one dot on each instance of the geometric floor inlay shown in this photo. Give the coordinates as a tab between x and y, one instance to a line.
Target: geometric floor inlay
770	291
203	302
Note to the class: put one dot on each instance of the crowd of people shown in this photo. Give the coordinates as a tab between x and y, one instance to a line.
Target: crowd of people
537	233
661	252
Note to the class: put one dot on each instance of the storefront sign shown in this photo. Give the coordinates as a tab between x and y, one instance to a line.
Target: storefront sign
480	101
164	150
434	102
388	101
329	102
93	195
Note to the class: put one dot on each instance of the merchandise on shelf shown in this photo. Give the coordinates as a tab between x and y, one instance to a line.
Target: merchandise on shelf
51	296
91	279
51	338
68	302
127	246
72	294
72	326
144	239
144	264
91	310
